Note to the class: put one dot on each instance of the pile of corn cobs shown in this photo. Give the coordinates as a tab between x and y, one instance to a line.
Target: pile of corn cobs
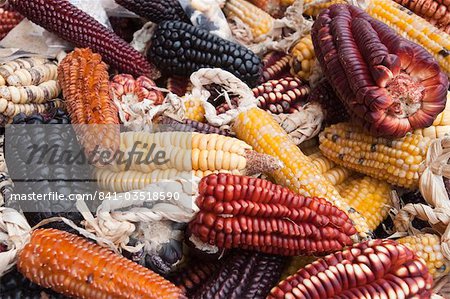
315	171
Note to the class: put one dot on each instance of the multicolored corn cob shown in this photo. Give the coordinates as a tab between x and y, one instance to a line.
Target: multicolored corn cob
73	266
184	154
441	125
8	20
180	49
142	87
178	85
381	268
434	11
156	11
275	66
396	161
388	84
314	7
257	20
72	24
414	28
264	134
84	80
324	94
255	214
243	275
428	247
168	124
303	58
285	95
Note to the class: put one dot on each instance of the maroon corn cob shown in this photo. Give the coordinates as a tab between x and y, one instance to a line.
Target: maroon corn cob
373	269
72	24
156	11
8	20
281	96
275	66
178	85
169	124
388	84
243	275
324	94
255	214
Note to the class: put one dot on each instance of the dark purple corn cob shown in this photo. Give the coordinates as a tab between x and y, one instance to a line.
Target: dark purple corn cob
180	49
388	84
77	27
156	11
126	27
276	66
168	124
282	96
324	94
178	85
244	275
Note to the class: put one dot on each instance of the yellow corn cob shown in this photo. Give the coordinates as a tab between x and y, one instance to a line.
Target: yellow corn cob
260	22
369	196
194	110
334	173
303	58
428	247
287	2
272	7
414	28
441	125
313	9
265	135
396	161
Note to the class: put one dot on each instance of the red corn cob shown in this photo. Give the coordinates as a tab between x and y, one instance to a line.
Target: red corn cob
8	20
255	214
373	269
72	24
142	87
281	96
388	84
275	66
75	267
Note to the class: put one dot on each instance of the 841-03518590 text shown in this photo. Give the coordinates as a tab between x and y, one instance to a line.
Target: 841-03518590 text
97	195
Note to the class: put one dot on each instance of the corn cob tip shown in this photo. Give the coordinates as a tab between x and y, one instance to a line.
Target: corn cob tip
260	163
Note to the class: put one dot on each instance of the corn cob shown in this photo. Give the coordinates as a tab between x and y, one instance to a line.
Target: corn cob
77	27
259	22
180	49
142	87
428	247
84	80
125	27
282	96
413	28
168	124
243	275
156	11
34	75
378	268
42	93
434	11
255	214
178	85
73	266
395	161
313	9
303	58
8	68
335	174
272	7
8	20
275	66
323	94
388	84
10	109
260	130
194	109
441	125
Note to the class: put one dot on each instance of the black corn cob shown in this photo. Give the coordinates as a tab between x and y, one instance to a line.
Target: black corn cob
72	24
49	174
243	275
156	11
180	49
168	124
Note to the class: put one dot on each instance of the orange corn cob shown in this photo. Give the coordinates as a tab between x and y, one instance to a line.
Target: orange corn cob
75	267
